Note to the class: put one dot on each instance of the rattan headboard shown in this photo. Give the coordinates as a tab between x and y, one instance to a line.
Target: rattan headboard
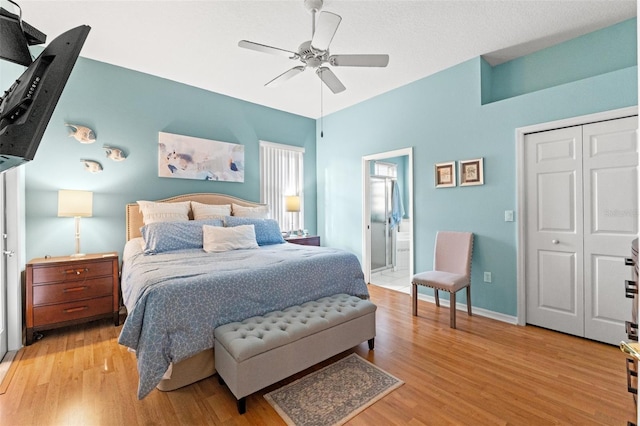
134	216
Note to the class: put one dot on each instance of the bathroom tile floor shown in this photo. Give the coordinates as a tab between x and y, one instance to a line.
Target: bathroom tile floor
399	280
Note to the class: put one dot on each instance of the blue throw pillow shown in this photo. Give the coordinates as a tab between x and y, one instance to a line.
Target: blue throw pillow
267	230
160	237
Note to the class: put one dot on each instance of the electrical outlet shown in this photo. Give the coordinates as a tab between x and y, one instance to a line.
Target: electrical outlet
487	277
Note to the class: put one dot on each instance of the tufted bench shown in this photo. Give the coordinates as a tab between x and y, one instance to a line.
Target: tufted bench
263	350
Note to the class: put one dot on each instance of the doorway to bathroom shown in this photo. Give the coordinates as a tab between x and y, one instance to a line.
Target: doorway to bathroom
387	218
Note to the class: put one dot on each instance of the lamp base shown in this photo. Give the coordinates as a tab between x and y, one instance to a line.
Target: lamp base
77	255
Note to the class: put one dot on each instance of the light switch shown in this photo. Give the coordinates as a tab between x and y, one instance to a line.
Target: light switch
508	215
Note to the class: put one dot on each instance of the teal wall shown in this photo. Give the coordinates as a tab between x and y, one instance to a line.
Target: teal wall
592	54
127	109
442	117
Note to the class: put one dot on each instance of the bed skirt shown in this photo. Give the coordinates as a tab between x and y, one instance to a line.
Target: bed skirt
188	371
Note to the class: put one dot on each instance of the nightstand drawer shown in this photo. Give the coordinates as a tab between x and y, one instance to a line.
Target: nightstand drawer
70	291
72	311
71	272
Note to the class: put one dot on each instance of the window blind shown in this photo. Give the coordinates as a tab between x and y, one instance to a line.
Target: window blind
281	174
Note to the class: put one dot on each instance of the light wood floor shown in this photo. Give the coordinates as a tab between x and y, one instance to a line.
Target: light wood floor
485	372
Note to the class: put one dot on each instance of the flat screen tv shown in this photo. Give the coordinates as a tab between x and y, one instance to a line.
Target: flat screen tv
26	107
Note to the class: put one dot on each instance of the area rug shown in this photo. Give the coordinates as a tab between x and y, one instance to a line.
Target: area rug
334	394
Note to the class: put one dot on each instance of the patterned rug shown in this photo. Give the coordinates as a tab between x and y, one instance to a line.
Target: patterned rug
334	394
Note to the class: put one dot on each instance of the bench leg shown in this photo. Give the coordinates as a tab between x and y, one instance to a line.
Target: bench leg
242	405
371	343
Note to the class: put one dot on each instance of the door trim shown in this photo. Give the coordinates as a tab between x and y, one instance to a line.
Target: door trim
521	190
366	208
15	219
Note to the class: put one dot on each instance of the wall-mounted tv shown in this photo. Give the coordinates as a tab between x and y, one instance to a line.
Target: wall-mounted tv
26	107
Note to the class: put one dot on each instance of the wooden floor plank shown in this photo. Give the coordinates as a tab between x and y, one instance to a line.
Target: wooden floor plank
484	373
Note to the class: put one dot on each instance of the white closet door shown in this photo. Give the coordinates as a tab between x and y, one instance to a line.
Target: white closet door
610	170
582	214
554	230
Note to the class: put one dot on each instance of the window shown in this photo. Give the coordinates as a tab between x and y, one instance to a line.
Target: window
385	169
281	175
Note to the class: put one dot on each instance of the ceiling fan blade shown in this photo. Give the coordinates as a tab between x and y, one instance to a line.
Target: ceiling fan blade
325	30
285	76
329	78
359	60
267	49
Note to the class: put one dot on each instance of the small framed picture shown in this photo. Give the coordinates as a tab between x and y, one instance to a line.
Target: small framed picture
471	172
445	174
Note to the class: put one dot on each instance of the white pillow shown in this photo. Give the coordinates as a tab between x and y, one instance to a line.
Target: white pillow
260	212
164	212
210	211
218	239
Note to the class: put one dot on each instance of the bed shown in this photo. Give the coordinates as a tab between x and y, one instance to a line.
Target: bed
176	298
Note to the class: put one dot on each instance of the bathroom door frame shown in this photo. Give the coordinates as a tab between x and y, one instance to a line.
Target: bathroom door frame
366	205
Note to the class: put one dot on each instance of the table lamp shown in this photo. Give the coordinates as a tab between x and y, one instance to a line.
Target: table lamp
292	205
75	204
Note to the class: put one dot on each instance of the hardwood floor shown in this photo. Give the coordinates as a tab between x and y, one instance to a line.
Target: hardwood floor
483	373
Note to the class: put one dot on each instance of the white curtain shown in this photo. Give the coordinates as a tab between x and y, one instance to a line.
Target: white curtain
281	175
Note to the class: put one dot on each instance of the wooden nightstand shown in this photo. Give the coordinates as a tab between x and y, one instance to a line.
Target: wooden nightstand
66	290
310	240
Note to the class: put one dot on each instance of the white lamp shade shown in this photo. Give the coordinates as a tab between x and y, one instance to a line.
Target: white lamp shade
75	203
292	203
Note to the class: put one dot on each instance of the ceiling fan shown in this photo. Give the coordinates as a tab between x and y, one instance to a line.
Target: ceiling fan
314	53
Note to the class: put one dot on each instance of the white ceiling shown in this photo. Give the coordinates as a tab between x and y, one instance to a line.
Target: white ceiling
196	42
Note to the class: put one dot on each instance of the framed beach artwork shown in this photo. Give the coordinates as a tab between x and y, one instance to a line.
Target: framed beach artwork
187	157
471	172
445	174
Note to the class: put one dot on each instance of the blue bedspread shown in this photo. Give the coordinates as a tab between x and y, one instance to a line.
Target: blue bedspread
176	299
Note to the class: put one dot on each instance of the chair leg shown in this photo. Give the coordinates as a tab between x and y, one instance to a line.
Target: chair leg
435	292
414	299
469	300
452	310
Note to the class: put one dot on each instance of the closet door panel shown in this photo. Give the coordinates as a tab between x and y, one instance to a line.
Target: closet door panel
554	275
610	170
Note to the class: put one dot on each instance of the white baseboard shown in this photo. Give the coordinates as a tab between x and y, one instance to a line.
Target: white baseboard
463	307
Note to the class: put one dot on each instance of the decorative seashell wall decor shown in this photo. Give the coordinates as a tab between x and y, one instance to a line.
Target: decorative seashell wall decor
92	166
116	154
81	133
